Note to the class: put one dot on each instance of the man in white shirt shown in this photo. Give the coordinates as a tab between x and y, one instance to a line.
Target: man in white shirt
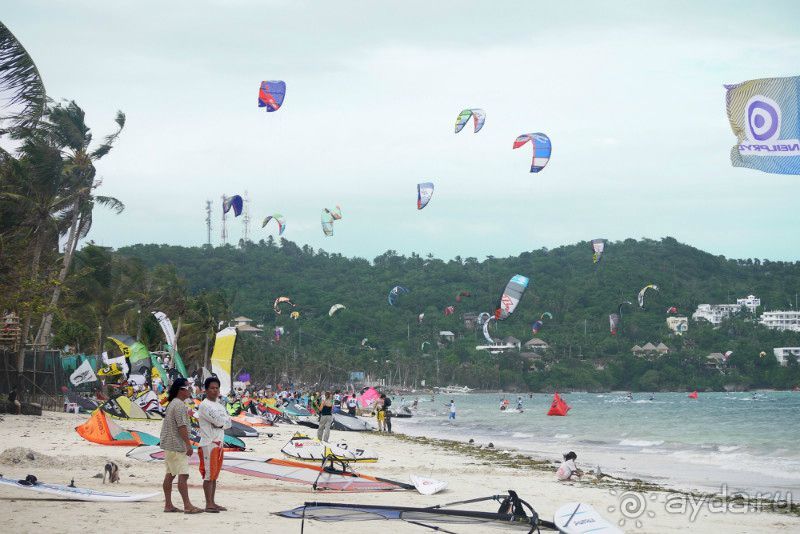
213	419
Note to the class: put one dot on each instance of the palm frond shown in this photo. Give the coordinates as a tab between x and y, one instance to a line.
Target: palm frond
105	148
20	78
111	203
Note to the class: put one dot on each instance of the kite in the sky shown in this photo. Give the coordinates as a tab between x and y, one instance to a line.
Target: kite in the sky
295	315
541	149
486	329
395	292
450	310
511	296
335	308
613	323
278	218
327	222
234	202
424	194
537	325
478	116
598	245
643	291
271	95
279	301
420	317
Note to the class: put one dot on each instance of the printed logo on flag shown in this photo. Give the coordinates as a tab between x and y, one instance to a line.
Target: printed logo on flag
764	116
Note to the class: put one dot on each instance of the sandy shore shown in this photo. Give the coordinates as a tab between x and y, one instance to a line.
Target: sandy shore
61	455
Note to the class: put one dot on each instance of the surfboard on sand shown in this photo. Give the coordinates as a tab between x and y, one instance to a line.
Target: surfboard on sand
579	518
76	494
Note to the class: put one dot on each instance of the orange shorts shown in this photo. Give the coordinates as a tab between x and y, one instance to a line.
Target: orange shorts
210	461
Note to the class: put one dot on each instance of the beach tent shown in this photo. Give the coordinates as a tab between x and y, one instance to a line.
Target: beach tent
123	408
558	407
102	430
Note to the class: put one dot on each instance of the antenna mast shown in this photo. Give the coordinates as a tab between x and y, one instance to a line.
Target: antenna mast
246	218
208	221
224	234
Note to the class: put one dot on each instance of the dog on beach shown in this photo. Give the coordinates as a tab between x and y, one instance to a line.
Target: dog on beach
111	472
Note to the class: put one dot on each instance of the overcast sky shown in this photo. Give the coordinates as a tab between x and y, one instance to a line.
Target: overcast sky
630	93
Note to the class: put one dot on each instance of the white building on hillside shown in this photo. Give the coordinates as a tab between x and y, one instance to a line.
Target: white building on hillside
782	354
781	320
715	313
679	325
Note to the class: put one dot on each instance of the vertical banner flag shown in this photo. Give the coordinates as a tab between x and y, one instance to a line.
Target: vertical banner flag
765	116
222	356
166	327
83	374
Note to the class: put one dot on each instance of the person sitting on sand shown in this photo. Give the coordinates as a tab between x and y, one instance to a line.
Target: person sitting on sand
568	470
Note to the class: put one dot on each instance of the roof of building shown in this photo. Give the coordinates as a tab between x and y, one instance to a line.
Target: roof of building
243	319
512	340
247	328
716	356
649	346
661	346
447	333
636	348
531	355
536	342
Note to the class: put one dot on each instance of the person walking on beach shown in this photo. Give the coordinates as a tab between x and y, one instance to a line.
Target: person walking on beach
214	420
452	409
325	417
177	446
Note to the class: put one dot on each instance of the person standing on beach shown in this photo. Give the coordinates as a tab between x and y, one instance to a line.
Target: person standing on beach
214	420
177	446
325	417
387	414
452	409
380	415
352	404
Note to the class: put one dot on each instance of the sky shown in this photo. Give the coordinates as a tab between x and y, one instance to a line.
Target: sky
630	93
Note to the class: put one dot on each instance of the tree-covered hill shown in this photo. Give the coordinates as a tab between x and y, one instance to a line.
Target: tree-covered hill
564	281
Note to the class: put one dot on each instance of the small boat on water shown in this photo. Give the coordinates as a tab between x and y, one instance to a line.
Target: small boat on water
455	390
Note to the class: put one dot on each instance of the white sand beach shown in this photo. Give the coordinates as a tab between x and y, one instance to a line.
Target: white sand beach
61	455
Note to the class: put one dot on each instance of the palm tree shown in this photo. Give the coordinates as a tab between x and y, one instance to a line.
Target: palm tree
67	127
21	82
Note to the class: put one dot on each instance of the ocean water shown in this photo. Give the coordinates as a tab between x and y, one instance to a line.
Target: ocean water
720	442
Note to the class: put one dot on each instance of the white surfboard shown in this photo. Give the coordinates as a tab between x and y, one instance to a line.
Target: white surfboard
78	494
427	486
580	518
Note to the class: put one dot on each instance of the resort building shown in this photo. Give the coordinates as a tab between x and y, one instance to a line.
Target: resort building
781	320
716	360
536	345
447	335
511	340
782	354
242	324
678	325
715	313
650	350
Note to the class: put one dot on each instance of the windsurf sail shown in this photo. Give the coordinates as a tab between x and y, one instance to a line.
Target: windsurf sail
324	477
513	512
222	356
302	447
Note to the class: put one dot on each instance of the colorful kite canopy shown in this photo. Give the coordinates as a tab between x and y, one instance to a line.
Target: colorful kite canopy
234	202
336	212
483	317
511	296
486	328
643	291
598	245
424	194
536	326
450	310
335	308
271	95
327	222
279	219
281	300
478	116
420	317
541	149
672	309
395	293
613	323
295	315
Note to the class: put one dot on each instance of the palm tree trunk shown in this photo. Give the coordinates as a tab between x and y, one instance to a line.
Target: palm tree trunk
69	250
26	323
